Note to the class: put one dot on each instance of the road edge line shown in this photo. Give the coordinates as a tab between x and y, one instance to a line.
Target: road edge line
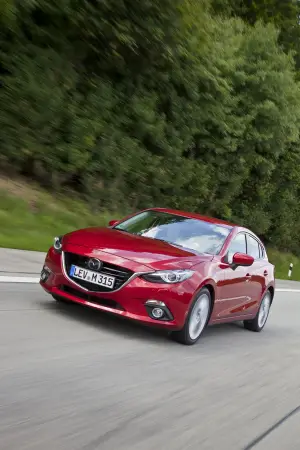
286	290
31	280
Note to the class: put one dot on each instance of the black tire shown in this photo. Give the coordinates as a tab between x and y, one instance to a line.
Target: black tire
59	299
255	324
183	336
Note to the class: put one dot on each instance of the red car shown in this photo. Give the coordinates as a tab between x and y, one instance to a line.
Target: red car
178	270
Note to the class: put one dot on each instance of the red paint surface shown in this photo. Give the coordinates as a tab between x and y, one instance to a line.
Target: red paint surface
237	292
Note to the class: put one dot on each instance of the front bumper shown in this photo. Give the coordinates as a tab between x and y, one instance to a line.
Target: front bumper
129	301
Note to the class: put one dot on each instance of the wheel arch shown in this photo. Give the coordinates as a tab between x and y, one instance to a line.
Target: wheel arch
272	291
210	285
212	292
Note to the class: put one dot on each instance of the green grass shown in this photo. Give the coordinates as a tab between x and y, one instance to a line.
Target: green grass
32	225
282	261
30	218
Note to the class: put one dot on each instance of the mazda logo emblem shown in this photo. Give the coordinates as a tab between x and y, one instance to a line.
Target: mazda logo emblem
94	264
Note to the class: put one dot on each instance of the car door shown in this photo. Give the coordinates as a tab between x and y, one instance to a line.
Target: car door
232	288
258	271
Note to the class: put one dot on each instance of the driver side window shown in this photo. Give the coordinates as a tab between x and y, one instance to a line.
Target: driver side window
238	245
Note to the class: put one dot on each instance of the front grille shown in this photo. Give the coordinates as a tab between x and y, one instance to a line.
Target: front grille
120	273
91	298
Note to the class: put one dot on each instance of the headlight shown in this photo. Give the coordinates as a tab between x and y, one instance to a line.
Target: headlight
168	276
57	244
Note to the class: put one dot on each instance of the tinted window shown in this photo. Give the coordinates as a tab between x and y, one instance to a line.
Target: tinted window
262	252
238	245
252	247
193	234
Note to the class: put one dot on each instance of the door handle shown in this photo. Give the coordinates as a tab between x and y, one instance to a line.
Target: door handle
265	273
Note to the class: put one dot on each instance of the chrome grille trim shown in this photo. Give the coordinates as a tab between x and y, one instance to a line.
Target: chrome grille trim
134	275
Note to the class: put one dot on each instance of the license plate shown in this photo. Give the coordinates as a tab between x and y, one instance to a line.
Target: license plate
92	277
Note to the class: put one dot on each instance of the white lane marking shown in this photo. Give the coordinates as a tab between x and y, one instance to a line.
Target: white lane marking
286	290
19	280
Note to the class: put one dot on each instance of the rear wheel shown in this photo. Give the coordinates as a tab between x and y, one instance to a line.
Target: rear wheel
196	321
259	321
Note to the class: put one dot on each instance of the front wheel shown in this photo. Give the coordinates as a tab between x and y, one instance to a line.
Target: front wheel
196	320
259	321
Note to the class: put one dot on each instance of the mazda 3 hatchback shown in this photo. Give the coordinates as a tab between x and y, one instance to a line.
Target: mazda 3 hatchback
167	268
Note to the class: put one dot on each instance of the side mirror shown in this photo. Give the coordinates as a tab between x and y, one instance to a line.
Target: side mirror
241	259
111	223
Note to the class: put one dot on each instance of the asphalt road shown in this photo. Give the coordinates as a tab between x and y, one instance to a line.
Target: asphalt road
20	263
76	379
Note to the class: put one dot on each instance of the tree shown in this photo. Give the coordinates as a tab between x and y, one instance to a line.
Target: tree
284	14
137	104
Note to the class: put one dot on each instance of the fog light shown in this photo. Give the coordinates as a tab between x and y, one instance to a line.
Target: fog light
158	310
157	313
45	274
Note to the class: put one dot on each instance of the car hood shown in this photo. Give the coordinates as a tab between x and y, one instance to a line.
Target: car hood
153	253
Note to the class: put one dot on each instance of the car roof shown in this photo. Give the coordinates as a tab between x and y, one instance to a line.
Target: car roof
196	216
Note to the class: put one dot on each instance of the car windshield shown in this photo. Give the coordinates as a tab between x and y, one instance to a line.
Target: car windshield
193	234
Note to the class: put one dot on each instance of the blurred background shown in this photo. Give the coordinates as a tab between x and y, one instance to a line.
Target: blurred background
111	106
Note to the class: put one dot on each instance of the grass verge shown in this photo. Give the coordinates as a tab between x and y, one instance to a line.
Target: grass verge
30	218
282	261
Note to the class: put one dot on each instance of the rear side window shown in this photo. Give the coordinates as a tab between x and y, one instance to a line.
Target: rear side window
253	247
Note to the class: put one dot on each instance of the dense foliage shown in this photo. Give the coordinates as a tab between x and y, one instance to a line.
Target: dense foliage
183	103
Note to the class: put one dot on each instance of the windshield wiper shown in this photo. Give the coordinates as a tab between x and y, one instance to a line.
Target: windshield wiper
169	242
182	246
178	245
126	231
165	240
